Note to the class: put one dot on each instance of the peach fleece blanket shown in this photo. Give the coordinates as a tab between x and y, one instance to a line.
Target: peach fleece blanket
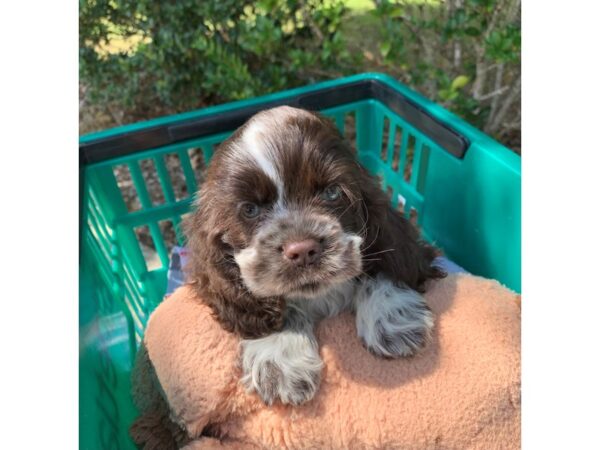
462	392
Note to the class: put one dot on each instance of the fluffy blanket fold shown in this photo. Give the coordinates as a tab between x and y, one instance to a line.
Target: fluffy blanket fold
462	392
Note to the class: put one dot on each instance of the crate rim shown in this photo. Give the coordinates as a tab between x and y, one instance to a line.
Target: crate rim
471	136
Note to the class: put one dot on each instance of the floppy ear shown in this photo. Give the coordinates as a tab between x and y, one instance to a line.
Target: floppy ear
214	274
392	244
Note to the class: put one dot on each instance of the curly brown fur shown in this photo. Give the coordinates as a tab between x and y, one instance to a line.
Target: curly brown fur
153	429
394	241
215	275
305	153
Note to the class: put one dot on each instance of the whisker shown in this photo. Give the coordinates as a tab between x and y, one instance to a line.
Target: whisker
382	251
368	276
373	241
364	227
348	207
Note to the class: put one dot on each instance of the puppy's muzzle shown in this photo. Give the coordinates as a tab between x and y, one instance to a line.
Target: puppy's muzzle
303	253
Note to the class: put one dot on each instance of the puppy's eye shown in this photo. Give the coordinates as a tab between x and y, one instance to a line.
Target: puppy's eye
331	193
250	210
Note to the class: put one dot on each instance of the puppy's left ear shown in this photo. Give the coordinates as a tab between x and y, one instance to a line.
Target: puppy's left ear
392	245
217	279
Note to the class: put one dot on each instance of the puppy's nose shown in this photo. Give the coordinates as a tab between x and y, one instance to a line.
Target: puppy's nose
302	253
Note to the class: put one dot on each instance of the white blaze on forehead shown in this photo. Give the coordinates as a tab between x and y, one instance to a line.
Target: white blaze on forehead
255	146
257	140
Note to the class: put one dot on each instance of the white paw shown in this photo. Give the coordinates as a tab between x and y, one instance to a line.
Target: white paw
284	366
392	321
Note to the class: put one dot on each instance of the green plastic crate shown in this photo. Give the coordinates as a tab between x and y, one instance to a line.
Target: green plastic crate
464	187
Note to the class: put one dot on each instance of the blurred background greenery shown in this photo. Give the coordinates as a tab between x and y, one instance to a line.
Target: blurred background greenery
143	58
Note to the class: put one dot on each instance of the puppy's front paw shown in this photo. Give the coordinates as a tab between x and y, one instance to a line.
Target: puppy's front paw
284	366
273	382
398	335
397	323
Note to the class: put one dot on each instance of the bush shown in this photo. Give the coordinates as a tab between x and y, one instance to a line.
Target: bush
464	54
190	53
141	58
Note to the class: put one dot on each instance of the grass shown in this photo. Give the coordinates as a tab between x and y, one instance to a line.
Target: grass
367	5
359	5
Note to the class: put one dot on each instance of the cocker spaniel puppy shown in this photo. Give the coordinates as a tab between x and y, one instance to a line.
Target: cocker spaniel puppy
289	229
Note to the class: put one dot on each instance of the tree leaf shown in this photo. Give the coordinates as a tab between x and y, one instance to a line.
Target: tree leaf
385	48
472	31
459	82
396	12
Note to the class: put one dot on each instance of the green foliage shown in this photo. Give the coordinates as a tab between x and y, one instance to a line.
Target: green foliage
144	58
184	54
504	45
464	54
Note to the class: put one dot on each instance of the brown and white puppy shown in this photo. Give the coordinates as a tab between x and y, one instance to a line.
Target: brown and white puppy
290	229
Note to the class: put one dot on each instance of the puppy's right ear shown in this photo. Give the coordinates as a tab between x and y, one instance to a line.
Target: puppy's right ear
395	246
214	274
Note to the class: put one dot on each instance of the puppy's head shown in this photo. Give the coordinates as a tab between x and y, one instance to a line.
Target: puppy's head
287	211
283	193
